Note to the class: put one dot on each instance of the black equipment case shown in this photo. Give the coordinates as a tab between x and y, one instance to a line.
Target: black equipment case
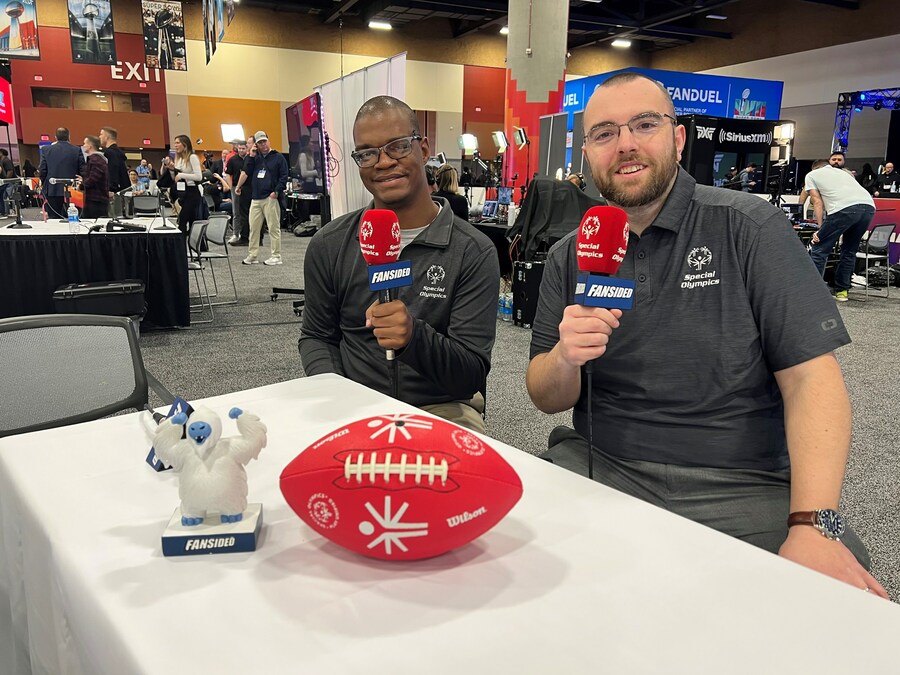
526	287
115	298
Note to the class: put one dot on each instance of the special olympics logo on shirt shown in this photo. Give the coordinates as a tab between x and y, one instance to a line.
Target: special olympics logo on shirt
698	258
591	226
435	274
366	230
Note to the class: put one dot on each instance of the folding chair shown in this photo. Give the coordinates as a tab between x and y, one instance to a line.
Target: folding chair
875	250
216	233
44	387
195	265
143	205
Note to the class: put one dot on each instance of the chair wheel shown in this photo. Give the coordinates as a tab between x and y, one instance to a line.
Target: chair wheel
274	297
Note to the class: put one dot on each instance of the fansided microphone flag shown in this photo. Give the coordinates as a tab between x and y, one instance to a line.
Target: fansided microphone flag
599	250
379	242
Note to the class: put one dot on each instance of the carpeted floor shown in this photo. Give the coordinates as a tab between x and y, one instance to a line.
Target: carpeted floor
254	343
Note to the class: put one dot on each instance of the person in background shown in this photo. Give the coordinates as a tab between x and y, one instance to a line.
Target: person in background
118	169
6	171
29	169
465	180
850	209
59	160
577	179
95	180
448	188
186	178
745	430
143	172
888	179
240	204
270	175
748	178
429	178
137	187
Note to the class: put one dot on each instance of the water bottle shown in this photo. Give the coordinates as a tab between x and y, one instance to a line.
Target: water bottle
507	307
74	225
501	300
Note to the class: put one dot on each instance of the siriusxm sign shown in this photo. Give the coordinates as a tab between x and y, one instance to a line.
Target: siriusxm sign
392	275
594	290
695	94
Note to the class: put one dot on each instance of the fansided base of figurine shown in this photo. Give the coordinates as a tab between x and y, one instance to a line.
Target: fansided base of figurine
213	536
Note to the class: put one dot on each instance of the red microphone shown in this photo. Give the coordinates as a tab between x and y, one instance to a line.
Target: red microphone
599	250
379	243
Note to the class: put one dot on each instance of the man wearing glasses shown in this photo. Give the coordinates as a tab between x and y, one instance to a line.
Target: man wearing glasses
718	396
442	327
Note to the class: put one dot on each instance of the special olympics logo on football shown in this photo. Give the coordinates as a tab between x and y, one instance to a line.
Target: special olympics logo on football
468	443
435	274
395	231
366	230
590	227
323	511
699	257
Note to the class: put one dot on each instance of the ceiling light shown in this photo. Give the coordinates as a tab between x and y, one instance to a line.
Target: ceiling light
380	25
621	43
504	30
717	17
95	91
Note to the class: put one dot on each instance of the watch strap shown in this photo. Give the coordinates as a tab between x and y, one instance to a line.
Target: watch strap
804	518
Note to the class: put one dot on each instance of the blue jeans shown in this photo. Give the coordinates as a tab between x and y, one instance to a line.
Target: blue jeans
852	223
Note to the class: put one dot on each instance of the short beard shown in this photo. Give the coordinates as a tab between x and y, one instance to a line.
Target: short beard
661	177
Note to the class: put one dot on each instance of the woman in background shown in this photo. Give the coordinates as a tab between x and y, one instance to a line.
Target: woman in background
448	188
186	176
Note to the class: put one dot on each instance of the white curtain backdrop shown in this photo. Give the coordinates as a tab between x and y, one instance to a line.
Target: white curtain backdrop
341	99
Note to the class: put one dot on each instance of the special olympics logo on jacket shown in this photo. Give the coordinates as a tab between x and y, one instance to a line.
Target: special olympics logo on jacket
591	226
699	257
435	274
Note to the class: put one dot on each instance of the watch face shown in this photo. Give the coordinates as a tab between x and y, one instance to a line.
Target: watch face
831	523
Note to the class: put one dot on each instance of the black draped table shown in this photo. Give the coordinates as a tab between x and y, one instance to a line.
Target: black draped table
35	262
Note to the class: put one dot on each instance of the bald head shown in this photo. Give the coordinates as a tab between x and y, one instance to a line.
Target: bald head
384	105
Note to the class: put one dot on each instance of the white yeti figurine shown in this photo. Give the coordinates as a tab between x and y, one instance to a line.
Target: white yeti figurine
211	471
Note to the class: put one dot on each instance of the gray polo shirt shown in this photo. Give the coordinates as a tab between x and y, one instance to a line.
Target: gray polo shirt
726	295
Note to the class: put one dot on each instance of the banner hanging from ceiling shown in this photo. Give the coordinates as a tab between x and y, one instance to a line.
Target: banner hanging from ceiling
18	31
91	31
163	35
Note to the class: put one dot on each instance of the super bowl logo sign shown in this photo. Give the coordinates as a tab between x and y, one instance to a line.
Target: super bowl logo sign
748	109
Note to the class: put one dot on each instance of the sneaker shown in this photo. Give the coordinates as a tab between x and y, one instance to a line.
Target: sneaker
242	242
250	260
234	239
274	260
841	296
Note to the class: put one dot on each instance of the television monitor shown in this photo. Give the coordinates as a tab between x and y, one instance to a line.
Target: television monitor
489	210
504	195
306	145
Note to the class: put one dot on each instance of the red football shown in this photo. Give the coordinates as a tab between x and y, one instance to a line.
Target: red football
400	487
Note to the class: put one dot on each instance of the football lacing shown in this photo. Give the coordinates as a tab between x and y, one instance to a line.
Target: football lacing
373	468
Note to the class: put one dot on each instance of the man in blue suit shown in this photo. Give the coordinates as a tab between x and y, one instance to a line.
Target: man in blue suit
60	160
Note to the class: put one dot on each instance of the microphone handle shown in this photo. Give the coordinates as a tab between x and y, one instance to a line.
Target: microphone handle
384	297
589	372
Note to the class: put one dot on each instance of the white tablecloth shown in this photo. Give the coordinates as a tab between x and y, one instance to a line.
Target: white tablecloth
54	227
578	578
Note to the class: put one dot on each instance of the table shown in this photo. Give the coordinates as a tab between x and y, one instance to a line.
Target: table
577	578
35	262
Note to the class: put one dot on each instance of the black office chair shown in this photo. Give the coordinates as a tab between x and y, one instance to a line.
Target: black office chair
874	249
61	369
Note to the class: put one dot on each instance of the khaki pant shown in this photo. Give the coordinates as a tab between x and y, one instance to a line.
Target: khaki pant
268	210
464	413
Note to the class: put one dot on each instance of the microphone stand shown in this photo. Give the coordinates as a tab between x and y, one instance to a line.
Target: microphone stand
17	200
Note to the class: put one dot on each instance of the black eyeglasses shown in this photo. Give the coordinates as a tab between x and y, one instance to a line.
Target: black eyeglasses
397	149
644	125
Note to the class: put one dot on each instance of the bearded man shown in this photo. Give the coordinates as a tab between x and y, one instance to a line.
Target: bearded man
718	397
